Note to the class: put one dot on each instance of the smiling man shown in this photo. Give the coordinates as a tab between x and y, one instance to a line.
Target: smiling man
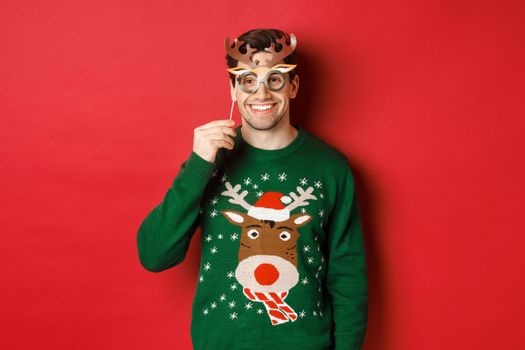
283	261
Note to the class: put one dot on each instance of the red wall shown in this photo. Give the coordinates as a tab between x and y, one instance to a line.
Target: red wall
98	102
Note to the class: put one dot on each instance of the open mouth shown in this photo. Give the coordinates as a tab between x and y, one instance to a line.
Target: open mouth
261	109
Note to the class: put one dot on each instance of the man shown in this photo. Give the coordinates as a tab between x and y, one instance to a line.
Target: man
283	262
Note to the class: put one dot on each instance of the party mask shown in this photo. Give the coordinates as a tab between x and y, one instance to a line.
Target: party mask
269	73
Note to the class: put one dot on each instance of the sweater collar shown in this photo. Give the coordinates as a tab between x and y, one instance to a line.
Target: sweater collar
265	154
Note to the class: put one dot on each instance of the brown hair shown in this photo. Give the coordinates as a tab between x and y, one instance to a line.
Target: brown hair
261	39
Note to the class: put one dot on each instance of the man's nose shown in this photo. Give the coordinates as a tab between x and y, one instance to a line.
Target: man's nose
262	92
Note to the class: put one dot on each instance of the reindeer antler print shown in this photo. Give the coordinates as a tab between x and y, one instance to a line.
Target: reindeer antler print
236	198
301	199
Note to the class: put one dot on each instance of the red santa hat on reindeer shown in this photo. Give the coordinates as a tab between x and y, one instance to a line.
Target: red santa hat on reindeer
271	206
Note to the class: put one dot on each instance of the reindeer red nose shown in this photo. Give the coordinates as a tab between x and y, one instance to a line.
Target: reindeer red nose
266	274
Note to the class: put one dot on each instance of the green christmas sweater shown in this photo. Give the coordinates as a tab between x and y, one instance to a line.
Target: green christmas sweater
283	262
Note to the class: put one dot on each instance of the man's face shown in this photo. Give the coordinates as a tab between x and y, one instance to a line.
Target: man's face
253	106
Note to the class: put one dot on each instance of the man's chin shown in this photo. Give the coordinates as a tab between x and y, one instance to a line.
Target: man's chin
261	124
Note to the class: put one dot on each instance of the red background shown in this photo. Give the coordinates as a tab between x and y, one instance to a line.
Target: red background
98	102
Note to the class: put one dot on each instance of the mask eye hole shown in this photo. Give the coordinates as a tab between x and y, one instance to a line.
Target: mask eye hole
285	235
275	80
248	81
253	233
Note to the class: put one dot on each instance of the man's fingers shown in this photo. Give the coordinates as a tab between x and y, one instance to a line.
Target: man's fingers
224	138
221	122
223	143
208	138
216	130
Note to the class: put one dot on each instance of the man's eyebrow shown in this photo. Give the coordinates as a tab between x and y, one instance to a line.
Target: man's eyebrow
254	225
289	228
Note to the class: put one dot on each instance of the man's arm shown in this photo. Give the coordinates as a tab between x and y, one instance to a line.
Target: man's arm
346	279
164	235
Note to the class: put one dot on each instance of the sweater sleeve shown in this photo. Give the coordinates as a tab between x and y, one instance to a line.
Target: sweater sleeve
163	237
346	279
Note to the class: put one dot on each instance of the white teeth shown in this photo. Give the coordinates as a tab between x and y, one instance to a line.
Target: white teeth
261	107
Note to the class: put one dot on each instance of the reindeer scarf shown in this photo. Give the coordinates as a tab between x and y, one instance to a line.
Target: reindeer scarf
278	310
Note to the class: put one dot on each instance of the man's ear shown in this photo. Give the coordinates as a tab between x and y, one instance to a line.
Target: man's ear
295	86
232	91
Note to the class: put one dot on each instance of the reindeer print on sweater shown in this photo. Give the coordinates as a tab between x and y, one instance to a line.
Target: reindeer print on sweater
267	233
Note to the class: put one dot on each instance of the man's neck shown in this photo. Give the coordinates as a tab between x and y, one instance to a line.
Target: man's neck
277	137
